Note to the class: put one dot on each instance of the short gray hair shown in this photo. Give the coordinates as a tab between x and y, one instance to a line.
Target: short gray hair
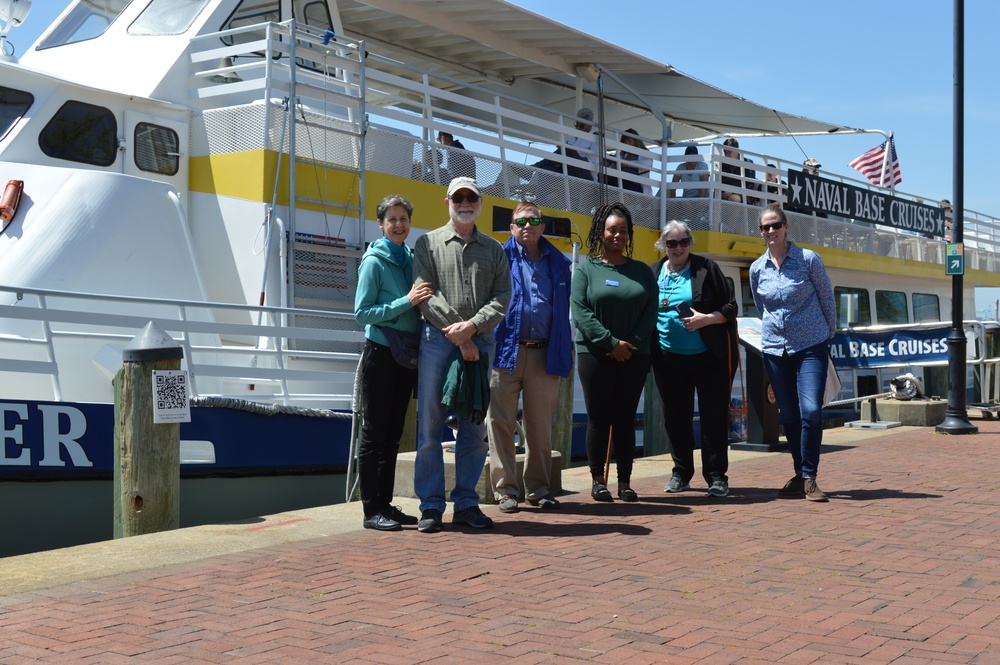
672	225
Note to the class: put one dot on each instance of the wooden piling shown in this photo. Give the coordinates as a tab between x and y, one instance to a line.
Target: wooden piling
147	454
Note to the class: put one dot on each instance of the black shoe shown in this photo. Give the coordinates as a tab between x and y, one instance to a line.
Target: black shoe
599	492
430	521
628	495
793	489
380	522
472	517
395	513
547	502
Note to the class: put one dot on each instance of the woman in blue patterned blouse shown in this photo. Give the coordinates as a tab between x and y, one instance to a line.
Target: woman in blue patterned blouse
794	296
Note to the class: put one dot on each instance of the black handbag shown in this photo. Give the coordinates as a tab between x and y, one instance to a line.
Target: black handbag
405	346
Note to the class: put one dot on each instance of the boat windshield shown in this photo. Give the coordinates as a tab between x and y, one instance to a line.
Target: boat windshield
87	20
13	105
167	17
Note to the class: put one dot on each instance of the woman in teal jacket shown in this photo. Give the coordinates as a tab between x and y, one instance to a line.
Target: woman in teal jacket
385	299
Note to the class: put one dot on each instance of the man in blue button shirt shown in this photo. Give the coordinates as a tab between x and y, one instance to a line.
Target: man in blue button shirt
534	349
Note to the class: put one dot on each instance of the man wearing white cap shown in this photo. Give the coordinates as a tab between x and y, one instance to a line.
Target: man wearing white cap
470	276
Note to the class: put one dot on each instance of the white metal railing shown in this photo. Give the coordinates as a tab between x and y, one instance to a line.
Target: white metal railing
505	135
225	352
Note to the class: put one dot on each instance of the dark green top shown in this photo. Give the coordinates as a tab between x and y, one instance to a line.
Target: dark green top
610	303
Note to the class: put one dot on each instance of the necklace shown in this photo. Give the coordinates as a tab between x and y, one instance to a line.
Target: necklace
670	285
678	271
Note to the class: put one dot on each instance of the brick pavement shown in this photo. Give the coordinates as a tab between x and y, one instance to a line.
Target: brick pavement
901	567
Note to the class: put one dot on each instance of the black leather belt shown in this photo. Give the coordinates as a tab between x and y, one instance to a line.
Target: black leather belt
534	343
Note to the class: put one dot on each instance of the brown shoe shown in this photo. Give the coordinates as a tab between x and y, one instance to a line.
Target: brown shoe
813	492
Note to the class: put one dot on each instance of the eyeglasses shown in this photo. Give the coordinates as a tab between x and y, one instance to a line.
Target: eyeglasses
523	221
471	197
683	242
771	227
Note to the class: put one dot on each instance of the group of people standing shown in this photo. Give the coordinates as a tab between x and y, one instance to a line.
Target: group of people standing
494	328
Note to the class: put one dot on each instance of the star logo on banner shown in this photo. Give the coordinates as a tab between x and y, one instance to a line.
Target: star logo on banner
796	190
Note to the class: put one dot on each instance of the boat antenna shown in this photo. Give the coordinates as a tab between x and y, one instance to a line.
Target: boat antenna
789	132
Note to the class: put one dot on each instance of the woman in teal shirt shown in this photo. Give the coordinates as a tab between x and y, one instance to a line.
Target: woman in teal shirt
386	298
696	350
614	310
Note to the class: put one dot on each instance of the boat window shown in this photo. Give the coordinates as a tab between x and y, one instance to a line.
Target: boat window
156	149
749	308
890	307
250	12
313	13
87	20
81	132
13	105
853	307
167	17
925	307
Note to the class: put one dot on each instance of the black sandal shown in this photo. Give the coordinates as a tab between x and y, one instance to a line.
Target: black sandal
599	492
628	495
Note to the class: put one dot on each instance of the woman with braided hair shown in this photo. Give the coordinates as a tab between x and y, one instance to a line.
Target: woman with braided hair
614	309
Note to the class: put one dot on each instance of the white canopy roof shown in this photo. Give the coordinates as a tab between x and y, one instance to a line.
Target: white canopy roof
502	47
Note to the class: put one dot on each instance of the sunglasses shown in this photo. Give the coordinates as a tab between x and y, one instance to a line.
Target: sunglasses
471	197
771	227
673	244
523	221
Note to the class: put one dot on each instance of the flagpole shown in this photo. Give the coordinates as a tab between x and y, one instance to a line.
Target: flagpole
885	163
956	419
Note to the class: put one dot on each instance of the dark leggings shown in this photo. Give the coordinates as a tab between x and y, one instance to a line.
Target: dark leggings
611	392
386	388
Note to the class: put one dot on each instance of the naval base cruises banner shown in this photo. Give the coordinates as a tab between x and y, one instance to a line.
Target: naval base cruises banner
857	349
870	348
809	193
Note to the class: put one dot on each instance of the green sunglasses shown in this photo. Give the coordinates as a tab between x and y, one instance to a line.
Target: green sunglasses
522	221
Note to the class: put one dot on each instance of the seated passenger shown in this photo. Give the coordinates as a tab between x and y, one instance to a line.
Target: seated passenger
691	171
748	175
584	149
635	163
460	164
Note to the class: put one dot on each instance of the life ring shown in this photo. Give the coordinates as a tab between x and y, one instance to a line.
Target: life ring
8	202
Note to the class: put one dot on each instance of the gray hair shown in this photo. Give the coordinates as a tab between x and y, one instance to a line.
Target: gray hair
672	225
388	202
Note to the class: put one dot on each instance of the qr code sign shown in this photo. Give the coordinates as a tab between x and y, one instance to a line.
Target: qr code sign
170	396
171	391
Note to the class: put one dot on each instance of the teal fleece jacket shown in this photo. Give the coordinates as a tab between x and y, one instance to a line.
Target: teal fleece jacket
381	296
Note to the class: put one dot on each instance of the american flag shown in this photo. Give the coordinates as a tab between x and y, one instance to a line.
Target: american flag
870	165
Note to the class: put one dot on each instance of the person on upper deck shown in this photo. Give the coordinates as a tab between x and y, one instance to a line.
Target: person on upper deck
746	177
775	186
635	163
948	219
461	164
691	171
583	149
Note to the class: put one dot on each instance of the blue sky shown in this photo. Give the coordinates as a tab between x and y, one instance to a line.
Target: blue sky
883	65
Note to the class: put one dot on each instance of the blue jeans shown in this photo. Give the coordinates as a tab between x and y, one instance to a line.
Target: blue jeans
798	381
470	442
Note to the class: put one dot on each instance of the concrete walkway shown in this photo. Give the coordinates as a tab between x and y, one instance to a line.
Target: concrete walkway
901	566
